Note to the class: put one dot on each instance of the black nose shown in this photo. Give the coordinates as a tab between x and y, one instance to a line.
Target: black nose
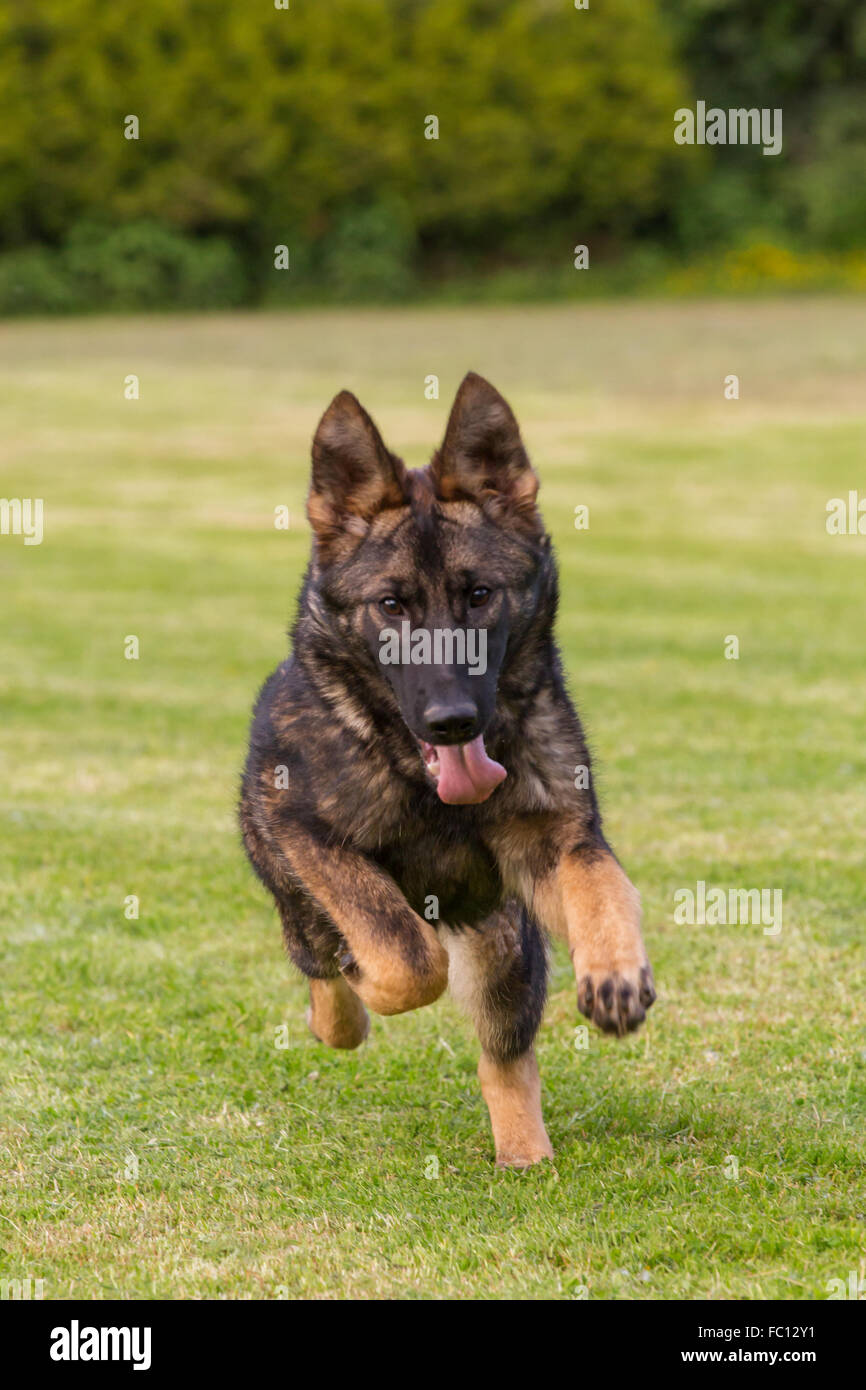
451	723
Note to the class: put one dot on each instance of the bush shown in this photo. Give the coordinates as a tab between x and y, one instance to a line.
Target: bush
276	127
35	281
370	252
830	189
214	276
727	208
766	266
146	266
139	266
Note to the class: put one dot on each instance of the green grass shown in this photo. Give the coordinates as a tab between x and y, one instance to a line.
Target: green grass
263	1171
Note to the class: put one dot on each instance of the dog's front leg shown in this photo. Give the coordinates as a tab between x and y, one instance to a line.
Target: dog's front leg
394	961
590	902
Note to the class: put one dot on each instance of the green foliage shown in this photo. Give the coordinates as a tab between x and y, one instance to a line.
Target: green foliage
809	60
370	251
307	128
34	281
830	189
303	126
765	266
143	265
138	266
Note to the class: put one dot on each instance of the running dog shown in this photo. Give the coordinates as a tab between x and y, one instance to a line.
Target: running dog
415	809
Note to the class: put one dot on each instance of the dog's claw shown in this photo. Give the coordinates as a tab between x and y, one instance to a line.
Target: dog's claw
647	987
347	963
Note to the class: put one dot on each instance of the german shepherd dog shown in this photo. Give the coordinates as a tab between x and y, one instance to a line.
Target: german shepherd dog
419	822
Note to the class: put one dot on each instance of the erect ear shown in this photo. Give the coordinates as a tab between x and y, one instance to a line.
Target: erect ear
354	475
482	458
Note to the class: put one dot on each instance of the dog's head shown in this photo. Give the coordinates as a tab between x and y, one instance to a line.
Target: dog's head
431	576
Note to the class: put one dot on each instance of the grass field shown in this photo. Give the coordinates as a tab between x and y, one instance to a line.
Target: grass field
155	1140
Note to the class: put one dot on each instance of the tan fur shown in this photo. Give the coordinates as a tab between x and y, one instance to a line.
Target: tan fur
372	915
336	1015
512	1091
590	902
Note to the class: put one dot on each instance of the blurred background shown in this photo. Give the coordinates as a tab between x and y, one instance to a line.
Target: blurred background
304	127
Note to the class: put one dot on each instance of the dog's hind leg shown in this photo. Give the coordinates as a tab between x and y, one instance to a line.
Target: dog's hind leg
336	1015
499	973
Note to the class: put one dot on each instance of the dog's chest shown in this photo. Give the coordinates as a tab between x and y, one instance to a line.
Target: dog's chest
454	880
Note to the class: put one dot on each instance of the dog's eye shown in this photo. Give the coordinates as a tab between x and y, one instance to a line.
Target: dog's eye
392	606
479	596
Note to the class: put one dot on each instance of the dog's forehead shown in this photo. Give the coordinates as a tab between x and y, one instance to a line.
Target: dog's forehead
435	549
452	536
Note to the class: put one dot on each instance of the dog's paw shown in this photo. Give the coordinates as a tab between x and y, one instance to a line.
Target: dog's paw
616	1001
525	1156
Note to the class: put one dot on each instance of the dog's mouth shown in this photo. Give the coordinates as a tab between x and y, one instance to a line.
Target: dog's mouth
463	772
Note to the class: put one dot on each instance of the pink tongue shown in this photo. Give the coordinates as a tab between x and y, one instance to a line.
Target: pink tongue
466	774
